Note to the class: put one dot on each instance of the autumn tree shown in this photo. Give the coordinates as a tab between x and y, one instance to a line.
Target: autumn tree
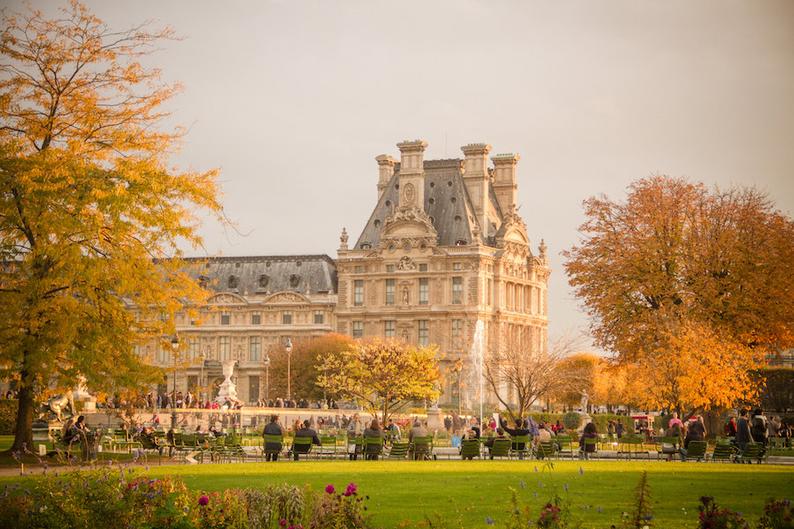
581	371
518	376
307	354
384	377
695	370
91	212
676	261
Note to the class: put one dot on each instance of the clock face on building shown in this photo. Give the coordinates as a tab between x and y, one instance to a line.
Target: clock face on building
409	194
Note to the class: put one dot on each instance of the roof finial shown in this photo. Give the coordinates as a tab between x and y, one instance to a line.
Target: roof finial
343	240
542	248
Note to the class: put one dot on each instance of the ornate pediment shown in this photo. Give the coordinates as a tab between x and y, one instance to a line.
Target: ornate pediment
226	298
406	228
512	234
287	297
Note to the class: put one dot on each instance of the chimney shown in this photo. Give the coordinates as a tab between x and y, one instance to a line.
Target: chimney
504	181
412	174
385	172
476	177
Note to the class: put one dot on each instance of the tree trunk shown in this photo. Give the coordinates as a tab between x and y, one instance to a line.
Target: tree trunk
23	437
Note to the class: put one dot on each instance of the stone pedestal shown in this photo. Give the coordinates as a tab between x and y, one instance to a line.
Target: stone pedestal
434	419
584	419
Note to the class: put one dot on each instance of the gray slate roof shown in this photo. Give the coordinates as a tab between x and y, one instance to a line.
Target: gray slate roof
446	202
307	274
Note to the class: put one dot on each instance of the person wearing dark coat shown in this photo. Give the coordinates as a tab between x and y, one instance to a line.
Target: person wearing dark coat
273	428
743	434
305	432
519	430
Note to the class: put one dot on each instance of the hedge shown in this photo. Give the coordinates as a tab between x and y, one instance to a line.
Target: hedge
8	416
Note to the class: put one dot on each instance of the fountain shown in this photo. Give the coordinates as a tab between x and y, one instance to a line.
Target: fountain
227	389
476	355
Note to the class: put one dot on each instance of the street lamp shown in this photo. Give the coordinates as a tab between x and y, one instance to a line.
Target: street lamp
174	348
201	379
266	363
288	348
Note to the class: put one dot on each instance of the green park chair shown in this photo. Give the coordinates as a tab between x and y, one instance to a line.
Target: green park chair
269	442
723	451
469	448
422	448
545	450
521	446
327	446
373	447
564	445
301	446
696	451
399	450
752	451
632	446
500	448
667	446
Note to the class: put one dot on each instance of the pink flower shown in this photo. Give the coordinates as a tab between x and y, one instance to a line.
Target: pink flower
351	489
204	500
282	522
330	489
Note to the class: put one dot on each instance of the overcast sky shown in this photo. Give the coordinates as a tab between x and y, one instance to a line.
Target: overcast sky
292	100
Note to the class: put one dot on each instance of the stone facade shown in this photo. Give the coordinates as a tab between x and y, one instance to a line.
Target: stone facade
444	248
259	303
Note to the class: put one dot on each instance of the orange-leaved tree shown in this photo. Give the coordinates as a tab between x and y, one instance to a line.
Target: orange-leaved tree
383	376
91	213
676	259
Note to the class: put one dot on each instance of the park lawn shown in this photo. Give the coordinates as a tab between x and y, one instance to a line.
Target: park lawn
467	492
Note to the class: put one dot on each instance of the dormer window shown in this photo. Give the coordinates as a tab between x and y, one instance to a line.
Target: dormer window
233	281
264	279
294	280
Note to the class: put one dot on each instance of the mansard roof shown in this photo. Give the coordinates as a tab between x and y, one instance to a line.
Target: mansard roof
265	274
446	202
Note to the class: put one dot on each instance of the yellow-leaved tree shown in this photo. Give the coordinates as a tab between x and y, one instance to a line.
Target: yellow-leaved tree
383	376
91	214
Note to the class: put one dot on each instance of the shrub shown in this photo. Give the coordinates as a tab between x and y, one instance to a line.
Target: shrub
777	515
571	420
714	517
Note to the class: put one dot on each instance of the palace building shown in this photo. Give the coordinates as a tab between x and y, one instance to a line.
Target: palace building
444	248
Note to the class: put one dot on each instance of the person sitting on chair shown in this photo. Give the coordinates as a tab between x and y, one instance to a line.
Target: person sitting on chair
696	431
273	428
500	434
588	433
305	432
375	431
521	429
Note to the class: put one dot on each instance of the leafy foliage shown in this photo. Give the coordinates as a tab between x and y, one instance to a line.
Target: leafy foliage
90	211
382	376
777	515
678	278
714	517
307	354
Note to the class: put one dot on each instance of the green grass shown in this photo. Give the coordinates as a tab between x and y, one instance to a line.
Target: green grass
466	492
471	491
